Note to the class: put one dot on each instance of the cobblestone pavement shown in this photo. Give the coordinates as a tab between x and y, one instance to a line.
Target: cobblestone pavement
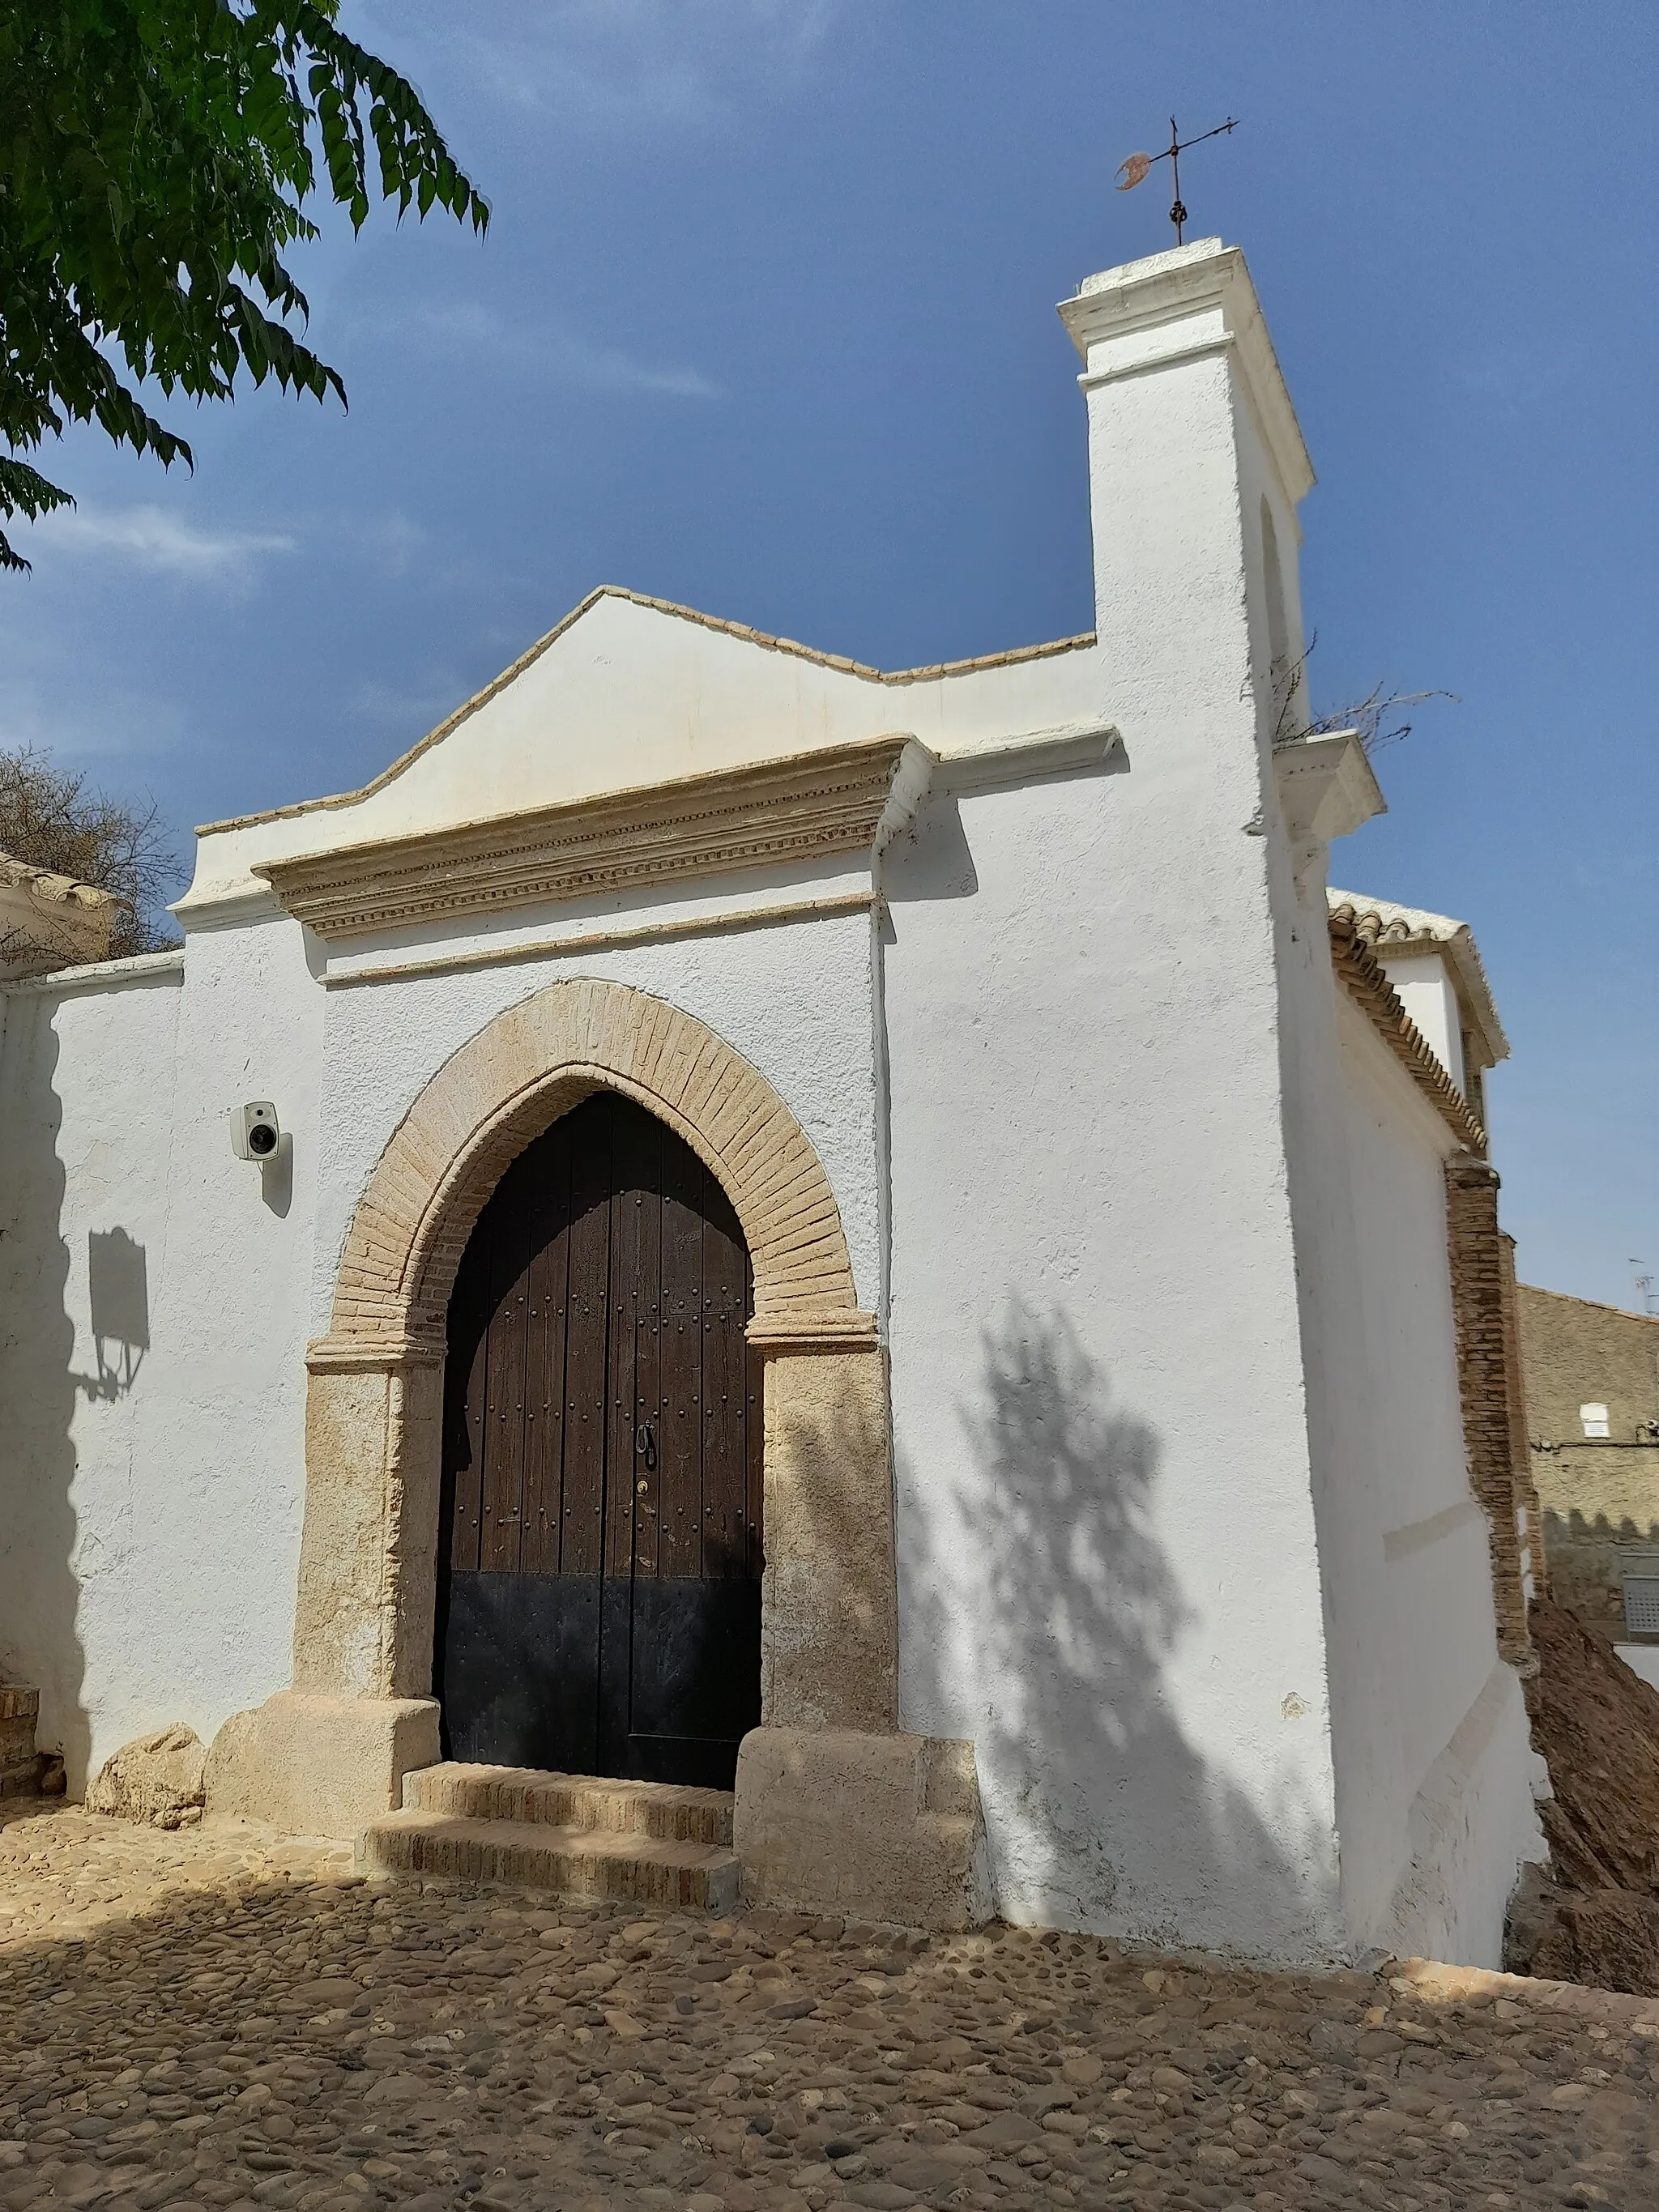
215	2018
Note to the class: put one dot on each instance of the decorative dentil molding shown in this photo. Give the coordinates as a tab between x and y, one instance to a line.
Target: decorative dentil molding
847	799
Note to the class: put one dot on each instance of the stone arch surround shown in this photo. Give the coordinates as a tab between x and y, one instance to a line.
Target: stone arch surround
517	1076
836	1809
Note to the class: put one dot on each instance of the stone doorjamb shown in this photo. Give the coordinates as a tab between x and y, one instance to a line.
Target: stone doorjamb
360	1713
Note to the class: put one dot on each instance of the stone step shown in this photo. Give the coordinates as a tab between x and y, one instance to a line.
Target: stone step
530	1795
24	1771
583	1862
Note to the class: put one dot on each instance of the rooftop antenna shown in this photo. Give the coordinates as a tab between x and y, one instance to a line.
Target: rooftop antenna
1644	1289
1135	169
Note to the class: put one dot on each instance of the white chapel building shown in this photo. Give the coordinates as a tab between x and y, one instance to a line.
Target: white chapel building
873	1258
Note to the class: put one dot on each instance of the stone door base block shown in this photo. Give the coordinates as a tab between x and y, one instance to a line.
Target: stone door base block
880	1827
320	1767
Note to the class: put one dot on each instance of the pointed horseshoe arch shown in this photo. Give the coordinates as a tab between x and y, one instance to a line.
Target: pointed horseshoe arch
512	1081
364	1611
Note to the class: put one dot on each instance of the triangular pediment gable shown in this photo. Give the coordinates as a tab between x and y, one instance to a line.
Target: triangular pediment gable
626	693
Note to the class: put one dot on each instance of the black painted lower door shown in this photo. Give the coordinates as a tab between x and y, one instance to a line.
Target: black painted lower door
599	1601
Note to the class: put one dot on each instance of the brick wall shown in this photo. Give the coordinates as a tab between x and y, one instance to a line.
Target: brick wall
1535	1563
1488	1370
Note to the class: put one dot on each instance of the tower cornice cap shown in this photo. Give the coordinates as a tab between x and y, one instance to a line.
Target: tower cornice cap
1169	308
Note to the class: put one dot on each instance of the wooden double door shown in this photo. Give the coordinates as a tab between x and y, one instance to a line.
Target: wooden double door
600	1548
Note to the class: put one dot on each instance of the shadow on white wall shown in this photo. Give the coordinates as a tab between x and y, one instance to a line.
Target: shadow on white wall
1041	1614
117	1280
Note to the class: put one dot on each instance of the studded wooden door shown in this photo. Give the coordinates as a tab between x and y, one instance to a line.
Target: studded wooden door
599	1593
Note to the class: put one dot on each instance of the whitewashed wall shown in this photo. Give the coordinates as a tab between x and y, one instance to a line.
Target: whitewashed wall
1110	1576
795	999
1428	1728
1423	985
1432	1759
153	1525
155	1545
1441	1811
227	1435
86	1109
1108	1572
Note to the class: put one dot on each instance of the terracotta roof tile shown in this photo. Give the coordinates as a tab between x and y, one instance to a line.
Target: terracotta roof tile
1368	984
43	884
1391	927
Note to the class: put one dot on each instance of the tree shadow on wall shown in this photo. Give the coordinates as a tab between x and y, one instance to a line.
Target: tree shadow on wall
1041	1614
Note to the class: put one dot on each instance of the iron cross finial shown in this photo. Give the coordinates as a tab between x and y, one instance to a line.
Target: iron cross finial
1138	166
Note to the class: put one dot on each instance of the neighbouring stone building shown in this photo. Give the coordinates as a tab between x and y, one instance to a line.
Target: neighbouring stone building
880	1239
49	921
1591	1377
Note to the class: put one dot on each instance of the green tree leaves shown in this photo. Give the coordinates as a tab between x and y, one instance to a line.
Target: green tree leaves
155	158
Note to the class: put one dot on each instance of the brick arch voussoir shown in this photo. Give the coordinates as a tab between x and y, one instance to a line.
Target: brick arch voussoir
512	1081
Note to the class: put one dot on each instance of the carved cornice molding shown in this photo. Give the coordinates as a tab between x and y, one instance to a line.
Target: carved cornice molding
843	799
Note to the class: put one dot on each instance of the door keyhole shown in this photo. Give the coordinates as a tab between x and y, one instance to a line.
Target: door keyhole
645	1444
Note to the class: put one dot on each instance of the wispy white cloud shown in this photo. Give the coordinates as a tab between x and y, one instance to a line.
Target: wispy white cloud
393	541
81	722
161	541
608	63
607	369
562	356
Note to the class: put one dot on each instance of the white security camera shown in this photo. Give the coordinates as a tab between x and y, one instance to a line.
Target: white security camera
255	1133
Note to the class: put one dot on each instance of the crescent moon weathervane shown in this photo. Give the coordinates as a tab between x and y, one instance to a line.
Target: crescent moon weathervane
1135	170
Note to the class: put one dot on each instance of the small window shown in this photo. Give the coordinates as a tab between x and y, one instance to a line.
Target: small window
1642	1605
1595	1418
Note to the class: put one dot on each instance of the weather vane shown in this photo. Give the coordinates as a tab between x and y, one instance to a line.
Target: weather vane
1133	171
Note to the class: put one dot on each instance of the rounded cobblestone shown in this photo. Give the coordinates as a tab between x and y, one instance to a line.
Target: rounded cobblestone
216	2018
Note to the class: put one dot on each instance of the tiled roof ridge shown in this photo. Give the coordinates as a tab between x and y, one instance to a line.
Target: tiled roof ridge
96	975
764	639
926	673
1391	920
1387	922
1368	984
48	883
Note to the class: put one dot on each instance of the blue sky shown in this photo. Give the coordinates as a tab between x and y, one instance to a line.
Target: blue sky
764	322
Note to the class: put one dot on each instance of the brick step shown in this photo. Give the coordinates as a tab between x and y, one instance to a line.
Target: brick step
529	1795
585	1861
